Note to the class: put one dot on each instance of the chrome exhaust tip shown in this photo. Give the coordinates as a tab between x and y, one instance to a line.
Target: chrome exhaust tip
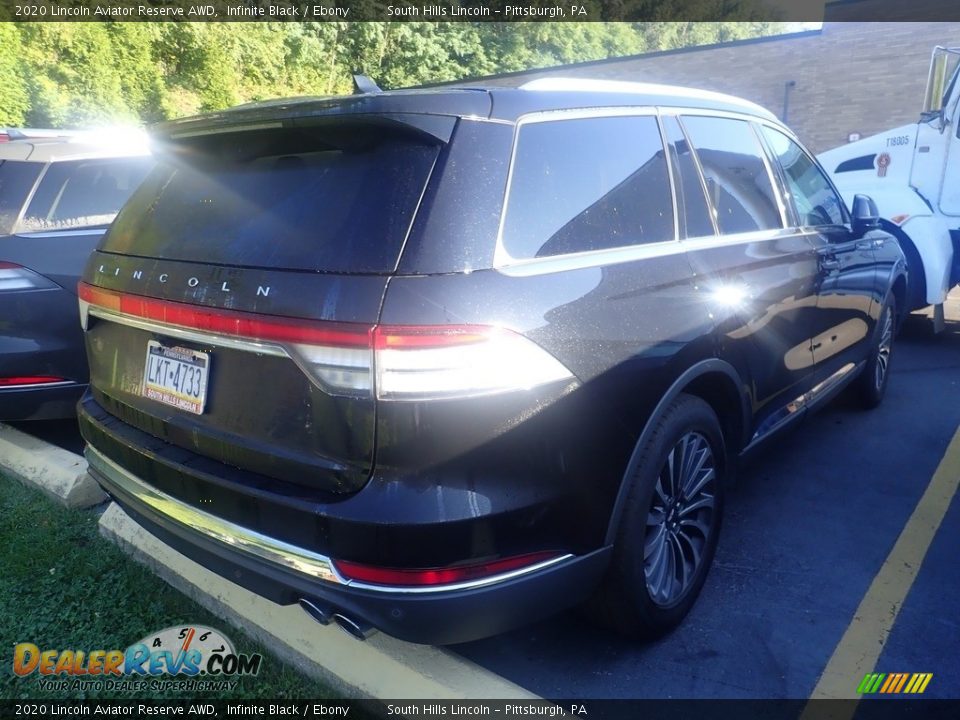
358	629
321	614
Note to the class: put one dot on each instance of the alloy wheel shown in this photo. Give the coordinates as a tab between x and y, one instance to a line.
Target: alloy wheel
680	519
883	348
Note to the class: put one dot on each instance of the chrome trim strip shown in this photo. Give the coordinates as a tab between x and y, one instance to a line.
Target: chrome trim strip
66	231
467	585
222	531
262	546
796	408
59	383
670	175
254	346
629	253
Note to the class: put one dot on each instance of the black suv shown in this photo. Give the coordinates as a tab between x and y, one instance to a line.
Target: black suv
440	362
58	194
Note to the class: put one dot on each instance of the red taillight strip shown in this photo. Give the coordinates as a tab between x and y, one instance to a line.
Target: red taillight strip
400	577
233	323
407	337
30	380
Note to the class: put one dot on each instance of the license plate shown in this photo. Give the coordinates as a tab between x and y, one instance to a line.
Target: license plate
176	376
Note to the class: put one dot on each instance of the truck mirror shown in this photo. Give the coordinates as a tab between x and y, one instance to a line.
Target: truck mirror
866	217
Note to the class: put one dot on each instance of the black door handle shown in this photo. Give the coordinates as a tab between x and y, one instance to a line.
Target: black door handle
829	264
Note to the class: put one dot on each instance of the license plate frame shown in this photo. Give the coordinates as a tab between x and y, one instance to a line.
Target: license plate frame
176	376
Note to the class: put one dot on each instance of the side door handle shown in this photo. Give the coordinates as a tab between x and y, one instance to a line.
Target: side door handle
829	263
870	244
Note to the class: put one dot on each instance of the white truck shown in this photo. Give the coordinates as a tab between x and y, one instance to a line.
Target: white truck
913	174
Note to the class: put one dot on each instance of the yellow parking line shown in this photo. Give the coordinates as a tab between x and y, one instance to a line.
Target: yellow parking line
859	649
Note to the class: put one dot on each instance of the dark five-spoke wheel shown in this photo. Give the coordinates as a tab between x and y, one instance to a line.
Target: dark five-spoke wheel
680	519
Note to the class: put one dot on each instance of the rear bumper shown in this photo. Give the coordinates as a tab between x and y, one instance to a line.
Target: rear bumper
40	402
285	573
131	466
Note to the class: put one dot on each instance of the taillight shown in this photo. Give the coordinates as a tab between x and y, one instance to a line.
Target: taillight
409	362
24	380
431	362
16	277
403	577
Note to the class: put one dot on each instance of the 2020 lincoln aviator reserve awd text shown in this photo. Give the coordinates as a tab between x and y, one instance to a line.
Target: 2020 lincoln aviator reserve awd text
440	362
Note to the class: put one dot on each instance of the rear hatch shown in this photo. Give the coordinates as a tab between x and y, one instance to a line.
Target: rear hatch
229	309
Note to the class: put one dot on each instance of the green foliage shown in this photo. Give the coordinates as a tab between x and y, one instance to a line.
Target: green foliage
70	74
14	99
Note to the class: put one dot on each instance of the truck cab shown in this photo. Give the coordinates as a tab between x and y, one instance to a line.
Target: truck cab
913	174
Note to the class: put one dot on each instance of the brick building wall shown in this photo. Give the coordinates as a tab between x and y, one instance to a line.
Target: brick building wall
849	77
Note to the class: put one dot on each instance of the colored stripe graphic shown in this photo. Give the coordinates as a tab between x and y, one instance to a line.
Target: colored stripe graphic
913	683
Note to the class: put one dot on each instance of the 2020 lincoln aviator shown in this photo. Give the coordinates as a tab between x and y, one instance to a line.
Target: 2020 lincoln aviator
440	362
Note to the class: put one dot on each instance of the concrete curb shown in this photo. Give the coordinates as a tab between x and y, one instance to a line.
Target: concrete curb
382	667
60	474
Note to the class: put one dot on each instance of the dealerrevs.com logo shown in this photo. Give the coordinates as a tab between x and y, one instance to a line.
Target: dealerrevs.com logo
190	658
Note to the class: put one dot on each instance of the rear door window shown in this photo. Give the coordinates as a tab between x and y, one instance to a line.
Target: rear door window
16	181
83	193
333	200
587	184
738	183
813	197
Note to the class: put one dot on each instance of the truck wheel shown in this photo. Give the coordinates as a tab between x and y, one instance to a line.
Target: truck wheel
671	523
872	383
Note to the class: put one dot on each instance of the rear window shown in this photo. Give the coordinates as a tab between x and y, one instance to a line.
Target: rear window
16	181
587	184
322	200
83	193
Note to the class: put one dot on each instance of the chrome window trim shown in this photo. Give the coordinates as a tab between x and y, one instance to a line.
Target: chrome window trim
630	253
66	231
671	177
256	544
774	181
696	161
506	264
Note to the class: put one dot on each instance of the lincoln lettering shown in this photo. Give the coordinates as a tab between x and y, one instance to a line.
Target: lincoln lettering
191	282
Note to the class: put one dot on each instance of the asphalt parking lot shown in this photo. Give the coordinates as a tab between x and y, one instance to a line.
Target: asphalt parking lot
808	527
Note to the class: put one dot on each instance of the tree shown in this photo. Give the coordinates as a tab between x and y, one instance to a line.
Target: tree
64	74
14	98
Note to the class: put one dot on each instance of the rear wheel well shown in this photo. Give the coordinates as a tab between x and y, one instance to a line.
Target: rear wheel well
915	288
721	393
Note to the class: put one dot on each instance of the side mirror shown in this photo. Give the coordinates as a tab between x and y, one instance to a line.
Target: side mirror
866	217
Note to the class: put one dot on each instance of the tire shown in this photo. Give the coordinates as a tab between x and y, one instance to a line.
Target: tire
666	541
872	383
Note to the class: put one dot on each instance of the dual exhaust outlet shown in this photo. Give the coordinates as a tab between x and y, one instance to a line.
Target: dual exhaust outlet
325	615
